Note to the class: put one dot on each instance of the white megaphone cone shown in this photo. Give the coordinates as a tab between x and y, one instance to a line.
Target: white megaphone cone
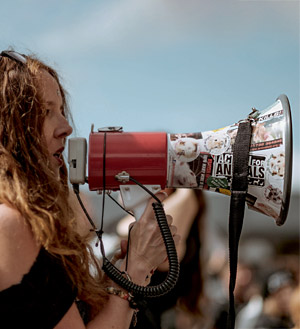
200	160
204	160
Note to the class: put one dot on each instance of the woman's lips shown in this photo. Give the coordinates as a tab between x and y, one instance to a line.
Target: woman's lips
58	156
58	159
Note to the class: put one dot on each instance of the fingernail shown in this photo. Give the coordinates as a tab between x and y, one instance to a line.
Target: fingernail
164	193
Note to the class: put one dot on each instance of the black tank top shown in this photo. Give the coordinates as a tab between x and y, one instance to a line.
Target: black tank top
41	299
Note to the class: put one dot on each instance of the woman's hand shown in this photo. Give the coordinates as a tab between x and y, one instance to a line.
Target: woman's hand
146	247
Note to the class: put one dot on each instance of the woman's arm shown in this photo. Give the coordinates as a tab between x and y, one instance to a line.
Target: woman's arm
18	249
116	314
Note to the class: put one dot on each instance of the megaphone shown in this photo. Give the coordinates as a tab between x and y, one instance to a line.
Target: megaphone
141	163
201	160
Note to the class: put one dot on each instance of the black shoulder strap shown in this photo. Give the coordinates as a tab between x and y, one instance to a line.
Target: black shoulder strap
237	206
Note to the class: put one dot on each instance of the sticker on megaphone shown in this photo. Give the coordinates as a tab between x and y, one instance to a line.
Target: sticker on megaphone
204	160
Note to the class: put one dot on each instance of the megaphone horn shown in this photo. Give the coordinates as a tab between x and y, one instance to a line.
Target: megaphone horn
201	160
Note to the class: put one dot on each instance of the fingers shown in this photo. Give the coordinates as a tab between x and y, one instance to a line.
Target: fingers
149	209
130	226
176	239
123	245
121	253
161	196
173	230
169	219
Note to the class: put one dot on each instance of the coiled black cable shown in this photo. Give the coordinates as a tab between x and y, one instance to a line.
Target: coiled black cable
168	284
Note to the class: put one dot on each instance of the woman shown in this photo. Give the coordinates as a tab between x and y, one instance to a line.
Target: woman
45	260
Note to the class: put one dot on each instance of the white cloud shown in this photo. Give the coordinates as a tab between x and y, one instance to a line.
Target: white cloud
105	26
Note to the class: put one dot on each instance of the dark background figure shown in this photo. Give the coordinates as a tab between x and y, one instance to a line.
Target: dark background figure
276	311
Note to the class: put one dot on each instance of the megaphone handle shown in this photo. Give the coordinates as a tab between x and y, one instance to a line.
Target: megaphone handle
136	199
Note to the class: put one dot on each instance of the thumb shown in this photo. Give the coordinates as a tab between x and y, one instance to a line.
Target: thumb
149	209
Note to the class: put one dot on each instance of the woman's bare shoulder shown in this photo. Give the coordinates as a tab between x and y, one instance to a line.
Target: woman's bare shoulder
13	226
10	219
18	248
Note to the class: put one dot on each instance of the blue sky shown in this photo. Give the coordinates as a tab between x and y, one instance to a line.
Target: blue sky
169	65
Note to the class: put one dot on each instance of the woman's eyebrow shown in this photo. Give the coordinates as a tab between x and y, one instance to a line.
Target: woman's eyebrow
52	104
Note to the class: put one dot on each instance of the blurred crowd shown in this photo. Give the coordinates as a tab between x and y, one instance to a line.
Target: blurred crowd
267	292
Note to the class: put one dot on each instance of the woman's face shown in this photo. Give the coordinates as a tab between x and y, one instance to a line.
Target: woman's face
56	128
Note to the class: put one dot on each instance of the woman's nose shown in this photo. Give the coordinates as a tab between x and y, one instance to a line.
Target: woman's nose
63	130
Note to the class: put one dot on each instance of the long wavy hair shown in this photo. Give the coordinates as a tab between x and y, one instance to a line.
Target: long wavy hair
29	185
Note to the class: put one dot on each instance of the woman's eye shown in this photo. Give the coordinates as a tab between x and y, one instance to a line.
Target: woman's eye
47	111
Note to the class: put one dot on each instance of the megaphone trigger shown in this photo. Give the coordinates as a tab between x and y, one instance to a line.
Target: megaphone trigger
135	198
